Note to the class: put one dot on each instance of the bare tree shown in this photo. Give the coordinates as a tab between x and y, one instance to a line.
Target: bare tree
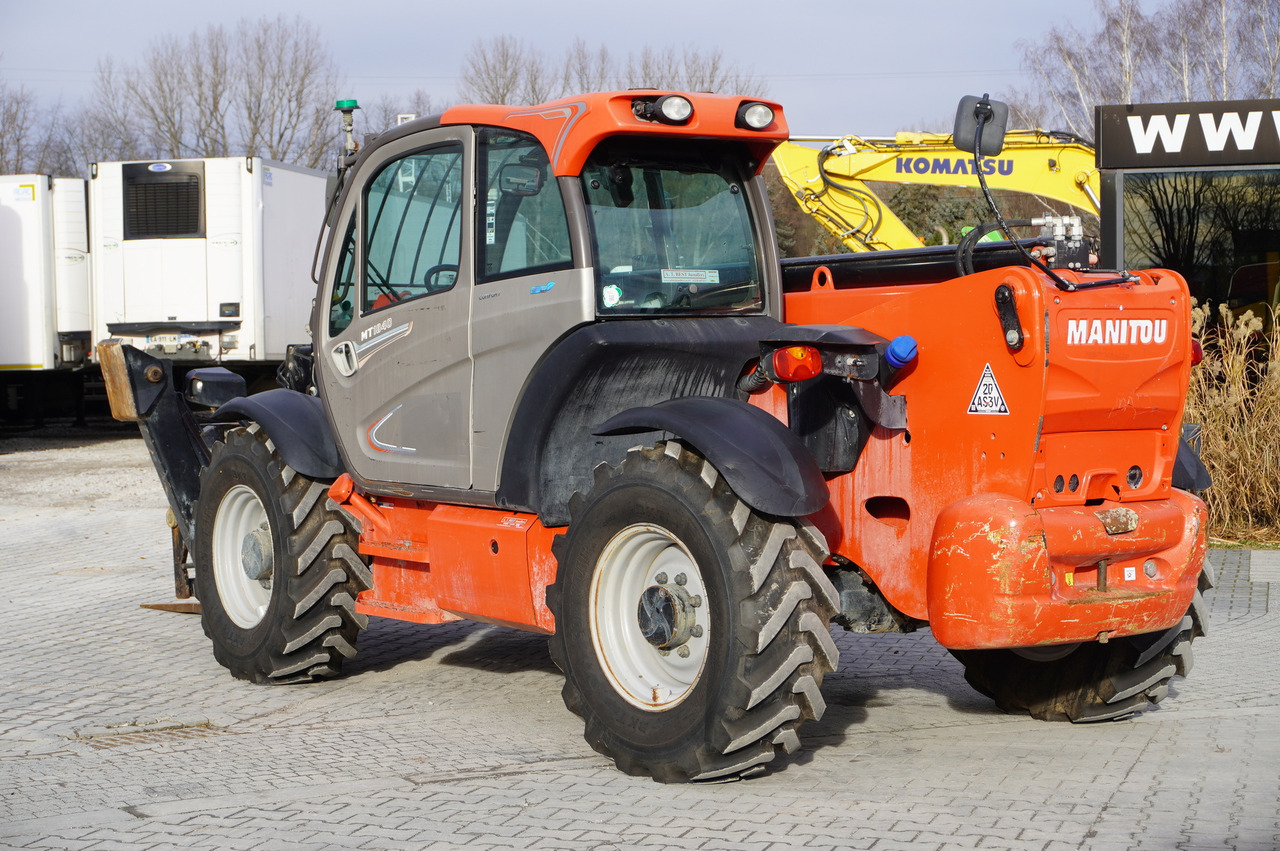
587	70
1072	70
18	114
385	112
688	69
1263	78
108	127
264	89
1189	50
504	69
289	83
211	83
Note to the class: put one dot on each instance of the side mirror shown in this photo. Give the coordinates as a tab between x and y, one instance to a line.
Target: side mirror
980	118
519	179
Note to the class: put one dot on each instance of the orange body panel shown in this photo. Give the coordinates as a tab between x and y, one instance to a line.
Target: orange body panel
1002	574
434	563
1095	390
570	128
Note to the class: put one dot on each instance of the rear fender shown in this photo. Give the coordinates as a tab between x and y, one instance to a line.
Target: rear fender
296	424
765	464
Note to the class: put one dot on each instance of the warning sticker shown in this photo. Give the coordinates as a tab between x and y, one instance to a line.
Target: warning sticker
988	399
690	276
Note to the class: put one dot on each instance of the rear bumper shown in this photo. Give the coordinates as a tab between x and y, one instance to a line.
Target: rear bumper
1004	574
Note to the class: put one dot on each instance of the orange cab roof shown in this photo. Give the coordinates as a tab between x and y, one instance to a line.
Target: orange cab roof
571	127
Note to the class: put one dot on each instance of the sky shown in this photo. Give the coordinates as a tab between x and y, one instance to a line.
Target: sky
864	68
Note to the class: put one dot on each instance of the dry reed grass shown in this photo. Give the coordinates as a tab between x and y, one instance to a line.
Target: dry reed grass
1235	397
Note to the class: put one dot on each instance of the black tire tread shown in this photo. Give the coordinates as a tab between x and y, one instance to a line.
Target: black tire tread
784	611
315	628
1096	682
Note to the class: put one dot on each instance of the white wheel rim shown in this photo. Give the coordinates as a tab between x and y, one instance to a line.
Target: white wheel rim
641	557
244	600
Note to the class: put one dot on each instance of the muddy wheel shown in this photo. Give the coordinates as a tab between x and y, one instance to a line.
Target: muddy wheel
276	566
692	631
1090	682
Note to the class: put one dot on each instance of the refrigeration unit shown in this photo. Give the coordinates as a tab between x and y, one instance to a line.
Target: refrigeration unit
205	260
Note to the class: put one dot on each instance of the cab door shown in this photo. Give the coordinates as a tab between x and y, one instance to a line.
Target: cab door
393	361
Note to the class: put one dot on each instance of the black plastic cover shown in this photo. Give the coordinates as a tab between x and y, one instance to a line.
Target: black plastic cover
765	464
297	426
213	386
599	370
1189	472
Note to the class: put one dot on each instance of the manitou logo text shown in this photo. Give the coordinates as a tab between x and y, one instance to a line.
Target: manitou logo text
1116	332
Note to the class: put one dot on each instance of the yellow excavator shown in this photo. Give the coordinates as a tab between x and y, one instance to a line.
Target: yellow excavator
830	183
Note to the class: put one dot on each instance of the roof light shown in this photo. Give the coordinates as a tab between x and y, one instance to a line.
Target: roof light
673	109
668	109
755	116
797	363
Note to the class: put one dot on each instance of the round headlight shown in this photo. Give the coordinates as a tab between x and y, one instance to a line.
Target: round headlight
757	116
673	109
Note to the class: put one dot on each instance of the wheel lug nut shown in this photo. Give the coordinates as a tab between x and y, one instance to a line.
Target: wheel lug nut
696	632
664	652
681	579
696	601
661	579
683	651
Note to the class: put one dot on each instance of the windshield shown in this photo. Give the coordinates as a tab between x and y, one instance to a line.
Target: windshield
671	229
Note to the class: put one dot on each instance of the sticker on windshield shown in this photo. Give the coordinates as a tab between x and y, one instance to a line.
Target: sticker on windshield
690	276
611	295
988	399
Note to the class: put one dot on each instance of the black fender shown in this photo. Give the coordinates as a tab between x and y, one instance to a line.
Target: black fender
1189	472
767	466
296	424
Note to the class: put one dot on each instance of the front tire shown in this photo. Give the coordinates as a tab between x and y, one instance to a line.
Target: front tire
276	567
1092	682
691	630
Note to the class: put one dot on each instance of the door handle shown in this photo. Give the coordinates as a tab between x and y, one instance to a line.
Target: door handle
344	358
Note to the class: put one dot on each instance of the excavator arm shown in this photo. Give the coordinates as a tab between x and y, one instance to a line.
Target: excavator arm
830	183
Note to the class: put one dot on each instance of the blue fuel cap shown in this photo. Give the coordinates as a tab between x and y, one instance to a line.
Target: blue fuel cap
901	351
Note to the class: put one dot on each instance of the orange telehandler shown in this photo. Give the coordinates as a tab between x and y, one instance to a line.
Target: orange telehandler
559	380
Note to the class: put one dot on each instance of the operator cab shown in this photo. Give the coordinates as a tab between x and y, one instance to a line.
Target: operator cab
473	245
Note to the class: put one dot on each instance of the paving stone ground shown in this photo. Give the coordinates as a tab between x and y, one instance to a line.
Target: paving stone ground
118	730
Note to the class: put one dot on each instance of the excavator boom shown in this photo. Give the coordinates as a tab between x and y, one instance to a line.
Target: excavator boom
831	183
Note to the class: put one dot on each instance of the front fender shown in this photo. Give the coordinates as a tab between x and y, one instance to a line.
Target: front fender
296	424
765	464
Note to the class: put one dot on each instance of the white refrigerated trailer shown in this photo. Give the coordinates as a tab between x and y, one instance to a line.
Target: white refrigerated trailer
45	324
44	273
206	260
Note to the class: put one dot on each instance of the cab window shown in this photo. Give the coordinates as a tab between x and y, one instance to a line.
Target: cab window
523	228
413	223
671	229
343	282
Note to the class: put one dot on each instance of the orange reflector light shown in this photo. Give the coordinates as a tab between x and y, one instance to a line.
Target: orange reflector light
1197	352
797	363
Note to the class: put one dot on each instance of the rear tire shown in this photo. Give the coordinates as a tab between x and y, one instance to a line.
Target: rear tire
1093	682
691	630
276	567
